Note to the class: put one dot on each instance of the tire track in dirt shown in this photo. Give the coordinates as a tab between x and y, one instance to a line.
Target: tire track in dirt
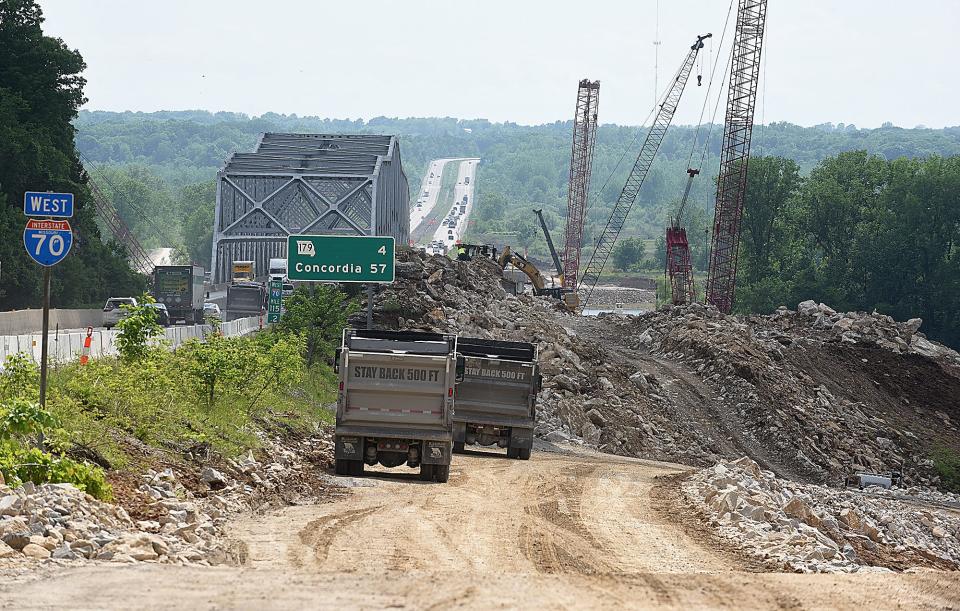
318	534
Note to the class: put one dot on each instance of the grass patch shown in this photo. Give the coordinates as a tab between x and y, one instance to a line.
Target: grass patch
946	461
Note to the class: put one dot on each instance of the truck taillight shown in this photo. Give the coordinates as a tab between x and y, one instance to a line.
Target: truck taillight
450	392
341	385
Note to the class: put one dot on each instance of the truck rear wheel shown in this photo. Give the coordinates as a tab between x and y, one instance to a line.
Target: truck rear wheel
513	452
441	473
523	453
458	447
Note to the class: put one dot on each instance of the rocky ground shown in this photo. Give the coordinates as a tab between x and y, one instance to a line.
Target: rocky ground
810	393
174	516
606	297
815	529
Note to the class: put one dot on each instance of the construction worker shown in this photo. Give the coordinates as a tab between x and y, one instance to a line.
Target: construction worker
462	253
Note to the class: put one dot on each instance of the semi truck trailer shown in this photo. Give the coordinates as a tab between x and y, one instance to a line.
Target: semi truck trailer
180	288
396	401
496	400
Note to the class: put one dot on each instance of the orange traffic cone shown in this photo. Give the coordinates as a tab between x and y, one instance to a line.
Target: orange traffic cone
85	353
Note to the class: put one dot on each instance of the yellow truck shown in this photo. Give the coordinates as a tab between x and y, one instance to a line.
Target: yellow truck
243	271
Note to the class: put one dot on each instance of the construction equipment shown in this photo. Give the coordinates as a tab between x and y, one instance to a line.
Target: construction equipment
468	252
638	173
139	260
581	164
396	401
735	152
569	296
496	398
678	268
553	251
570	299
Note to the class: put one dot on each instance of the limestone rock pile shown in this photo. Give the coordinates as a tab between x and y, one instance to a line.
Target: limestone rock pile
60	522
812	528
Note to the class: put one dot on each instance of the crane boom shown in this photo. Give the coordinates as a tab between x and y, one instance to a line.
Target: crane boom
581	165
139	260
735	154
553	251
638	173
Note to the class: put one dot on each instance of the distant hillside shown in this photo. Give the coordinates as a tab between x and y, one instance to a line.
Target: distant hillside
522	166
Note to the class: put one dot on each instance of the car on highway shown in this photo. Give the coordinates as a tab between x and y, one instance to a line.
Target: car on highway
287	289
211	310
113	313
163	315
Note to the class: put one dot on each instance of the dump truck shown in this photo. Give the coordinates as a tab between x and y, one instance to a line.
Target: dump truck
395	401
180	289
496	400
245	299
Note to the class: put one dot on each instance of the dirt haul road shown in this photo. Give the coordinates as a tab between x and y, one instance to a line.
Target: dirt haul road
560	531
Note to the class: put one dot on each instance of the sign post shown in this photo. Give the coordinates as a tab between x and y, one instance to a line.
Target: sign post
47	242
275	301
326	258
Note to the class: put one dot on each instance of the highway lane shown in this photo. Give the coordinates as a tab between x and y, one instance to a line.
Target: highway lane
464	187
423	204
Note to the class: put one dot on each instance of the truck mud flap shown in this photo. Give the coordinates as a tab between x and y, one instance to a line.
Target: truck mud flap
348	447
521	438
436	452
459	431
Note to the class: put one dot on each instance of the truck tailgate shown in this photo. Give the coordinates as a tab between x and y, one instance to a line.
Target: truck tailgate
495	391
395	391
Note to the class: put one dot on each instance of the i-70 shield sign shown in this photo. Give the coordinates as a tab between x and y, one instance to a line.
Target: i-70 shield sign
328	258
47	242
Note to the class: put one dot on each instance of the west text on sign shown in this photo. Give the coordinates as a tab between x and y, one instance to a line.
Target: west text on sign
58	205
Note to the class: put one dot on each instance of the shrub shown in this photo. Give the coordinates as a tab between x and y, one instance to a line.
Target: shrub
20	419
136	329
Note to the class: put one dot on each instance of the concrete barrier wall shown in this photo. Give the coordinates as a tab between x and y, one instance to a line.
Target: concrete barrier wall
64	347
31	321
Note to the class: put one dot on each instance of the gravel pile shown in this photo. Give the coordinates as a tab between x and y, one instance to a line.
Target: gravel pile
61	523
815	529
813	394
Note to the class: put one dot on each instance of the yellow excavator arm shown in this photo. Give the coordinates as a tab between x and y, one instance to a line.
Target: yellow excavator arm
521	263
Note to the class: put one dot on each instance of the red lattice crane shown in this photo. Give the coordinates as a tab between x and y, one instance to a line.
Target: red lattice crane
581	164
679	270
735	152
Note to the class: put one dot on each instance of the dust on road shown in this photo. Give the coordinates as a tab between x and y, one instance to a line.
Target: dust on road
558	531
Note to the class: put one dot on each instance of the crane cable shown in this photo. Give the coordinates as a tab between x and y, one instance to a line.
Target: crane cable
706	141
128	200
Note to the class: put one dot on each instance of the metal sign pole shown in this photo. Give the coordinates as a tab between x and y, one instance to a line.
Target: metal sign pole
369	306
44	341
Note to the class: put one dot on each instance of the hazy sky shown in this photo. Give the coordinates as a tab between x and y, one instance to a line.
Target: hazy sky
851	61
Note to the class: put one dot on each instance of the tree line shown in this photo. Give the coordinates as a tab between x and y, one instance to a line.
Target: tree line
860	232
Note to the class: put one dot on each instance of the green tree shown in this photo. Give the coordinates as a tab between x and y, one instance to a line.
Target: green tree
40	92
137	329
628	254
318	314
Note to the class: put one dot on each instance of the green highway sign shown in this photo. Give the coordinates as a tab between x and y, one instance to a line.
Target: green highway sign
275	301
328	258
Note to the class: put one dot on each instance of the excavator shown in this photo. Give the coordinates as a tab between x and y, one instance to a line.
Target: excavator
569	298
